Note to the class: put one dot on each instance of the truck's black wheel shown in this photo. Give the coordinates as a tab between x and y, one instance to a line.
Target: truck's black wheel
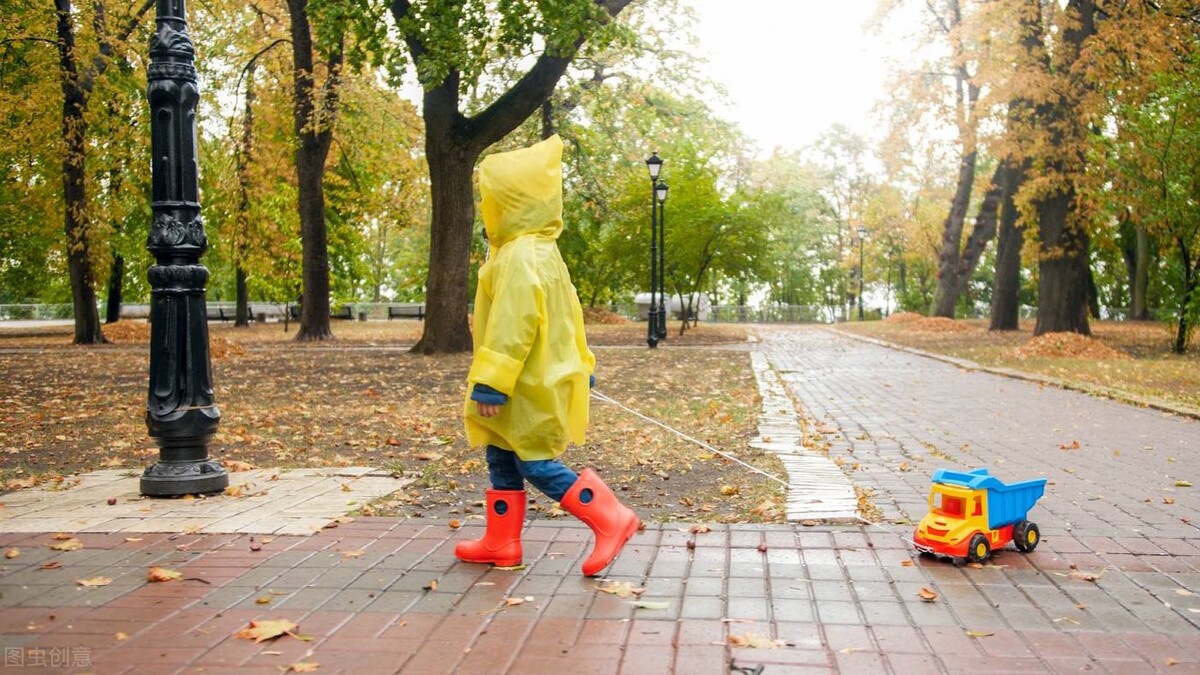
979	549
1026	536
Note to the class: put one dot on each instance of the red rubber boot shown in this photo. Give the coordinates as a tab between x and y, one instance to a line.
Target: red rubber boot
611	521
501	543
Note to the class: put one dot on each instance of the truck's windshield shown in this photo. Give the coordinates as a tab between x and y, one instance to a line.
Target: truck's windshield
946	505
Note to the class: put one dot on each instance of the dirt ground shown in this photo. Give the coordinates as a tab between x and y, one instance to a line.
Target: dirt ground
364	399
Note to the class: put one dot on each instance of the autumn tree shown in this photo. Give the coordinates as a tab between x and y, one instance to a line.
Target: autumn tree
88	41
1158	160
451	44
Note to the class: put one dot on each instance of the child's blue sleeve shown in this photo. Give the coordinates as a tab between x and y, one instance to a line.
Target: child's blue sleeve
481	393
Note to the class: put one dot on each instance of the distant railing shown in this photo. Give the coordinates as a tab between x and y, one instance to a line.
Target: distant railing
36	312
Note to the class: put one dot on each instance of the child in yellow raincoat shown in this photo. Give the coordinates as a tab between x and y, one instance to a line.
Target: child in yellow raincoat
528	387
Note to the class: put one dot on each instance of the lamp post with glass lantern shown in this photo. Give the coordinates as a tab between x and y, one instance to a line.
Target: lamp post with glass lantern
660	191
862	237
654	166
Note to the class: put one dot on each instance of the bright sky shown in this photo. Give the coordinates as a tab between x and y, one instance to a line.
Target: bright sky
793	68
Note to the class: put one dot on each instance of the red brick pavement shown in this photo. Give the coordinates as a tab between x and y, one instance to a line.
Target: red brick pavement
817	599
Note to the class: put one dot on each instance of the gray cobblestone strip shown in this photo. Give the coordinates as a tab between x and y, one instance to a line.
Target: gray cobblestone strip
817	488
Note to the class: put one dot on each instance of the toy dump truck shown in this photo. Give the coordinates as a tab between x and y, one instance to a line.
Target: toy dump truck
973	513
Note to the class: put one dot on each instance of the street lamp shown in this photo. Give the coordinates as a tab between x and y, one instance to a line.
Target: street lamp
660	191
181	414
862	237
654	166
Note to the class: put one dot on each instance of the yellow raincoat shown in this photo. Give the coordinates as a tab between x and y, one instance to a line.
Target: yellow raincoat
529	339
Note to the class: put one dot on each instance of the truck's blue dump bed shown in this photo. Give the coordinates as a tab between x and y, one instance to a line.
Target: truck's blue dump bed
1007	503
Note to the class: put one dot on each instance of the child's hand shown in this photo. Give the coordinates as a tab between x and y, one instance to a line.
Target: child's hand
488	409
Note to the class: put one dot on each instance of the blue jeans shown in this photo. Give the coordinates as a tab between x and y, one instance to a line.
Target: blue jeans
509	472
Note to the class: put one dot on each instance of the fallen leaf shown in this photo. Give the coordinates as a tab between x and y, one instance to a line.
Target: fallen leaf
1168	500
70	544
1079	575
1073	445
754	641
650	604
455	523
52	565
509	568
729	490
158	574
928	595
509	602
267	630
61	536
1183	591
699	529
623	589
120	636
303	667
906	563
94	581
979	633
1182	483
12	553
1171	662
131	540
353	554
431	586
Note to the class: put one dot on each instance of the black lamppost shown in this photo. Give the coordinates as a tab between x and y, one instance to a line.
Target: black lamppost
654	165
862	237
181	414
660	191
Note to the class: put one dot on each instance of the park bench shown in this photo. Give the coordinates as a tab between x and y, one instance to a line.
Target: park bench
406	312
221	314
343	312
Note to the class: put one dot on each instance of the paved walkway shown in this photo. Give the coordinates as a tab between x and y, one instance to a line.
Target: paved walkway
1112	588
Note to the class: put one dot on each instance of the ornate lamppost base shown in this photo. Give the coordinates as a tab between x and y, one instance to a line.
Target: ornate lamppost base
175	479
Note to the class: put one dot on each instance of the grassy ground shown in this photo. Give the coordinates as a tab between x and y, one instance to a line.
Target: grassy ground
1131	360
363	399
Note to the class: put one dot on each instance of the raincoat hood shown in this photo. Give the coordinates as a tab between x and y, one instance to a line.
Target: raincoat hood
521	192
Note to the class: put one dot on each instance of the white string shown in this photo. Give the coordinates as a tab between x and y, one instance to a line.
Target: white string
684	436
606	399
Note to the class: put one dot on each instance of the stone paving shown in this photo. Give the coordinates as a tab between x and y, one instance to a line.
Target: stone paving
1112	588
259	501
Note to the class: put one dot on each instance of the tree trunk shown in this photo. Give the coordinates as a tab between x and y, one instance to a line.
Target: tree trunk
115	279
1063	238
1187	299
983	232
1140	311
1006	292
245	152
314	132
243	298
945	297
76	219
1062	268
450	170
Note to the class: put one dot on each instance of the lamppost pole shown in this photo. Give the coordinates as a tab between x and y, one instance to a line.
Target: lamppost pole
181	414
660	192
654	166
862	236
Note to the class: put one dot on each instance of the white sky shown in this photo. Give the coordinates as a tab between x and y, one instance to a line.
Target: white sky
793	68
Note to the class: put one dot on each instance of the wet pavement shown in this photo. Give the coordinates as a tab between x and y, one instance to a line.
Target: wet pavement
1113	587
